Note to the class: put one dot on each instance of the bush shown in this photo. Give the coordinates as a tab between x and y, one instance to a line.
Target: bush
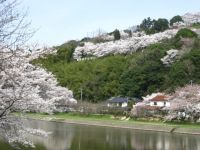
186	33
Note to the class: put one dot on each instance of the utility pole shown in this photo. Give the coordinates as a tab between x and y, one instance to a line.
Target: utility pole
81	94
191	82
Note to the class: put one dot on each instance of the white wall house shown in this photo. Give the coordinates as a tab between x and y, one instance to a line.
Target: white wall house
118	102
160	101
160	104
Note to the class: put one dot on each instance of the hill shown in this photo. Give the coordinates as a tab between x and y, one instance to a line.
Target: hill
161	65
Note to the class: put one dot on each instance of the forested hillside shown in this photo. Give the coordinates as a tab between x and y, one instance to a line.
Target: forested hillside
133	75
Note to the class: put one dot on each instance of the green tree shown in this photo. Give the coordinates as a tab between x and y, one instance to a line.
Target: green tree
176	19
117	35
146	25
160	25
131	75
129	32
153	26
65	51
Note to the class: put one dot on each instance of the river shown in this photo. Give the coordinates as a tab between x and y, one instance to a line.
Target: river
81	137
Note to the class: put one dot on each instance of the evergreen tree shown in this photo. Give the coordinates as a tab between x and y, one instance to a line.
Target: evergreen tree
117	35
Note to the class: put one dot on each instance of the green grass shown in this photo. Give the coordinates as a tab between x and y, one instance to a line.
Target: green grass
196	25
64	116
184	124
6	146
107	118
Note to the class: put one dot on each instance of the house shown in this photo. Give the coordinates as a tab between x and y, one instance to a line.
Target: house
160	101
118	102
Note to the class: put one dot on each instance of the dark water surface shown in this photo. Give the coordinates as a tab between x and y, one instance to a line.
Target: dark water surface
79	137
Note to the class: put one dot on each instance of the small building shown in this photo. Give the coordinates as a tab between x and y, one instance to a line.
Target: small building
118	102
160	101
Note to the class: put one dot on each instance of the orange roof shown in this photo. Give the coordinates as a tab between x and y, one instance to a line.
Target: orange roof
159	98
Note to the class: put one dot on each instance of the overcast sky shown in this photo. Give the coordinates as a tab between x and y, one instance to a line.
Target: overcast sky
62	20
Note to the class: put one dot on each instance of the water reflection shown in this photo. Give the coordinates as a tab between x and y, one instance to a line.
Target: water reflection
60	139
78	137
141	140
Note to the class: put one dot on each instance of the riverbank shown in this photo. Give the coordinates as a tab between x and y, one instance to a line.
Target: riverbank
117	122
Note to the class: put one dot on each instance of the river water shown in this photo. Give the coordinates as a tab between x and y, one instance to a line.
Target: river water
81	137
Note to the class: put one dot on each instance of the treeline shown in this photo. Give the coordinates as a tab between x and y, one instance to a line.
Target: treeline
148	25
151	26
126	75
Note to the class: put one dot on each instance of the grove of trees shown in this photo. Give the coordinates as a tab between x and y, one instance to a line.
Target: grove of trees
23	87
153	26
128	75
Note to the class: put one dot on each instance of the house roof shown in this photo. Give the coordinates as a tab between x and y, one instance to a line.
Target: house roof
159	98
118	100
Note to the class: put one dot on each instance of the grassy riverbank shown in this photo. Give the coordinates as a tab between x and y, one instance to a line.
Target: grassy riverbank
118	122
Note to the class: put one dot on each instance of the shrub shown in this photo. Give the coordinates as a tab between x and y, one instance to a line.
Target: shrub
186	33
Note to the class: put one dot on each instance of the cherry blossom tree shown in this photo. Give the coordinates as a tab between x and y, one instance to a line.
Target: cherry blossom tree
13	34
123	46
23	87
185	104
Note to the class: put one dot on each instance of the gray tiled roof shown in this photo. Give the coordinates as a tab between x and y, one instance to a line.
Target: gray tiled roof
118	100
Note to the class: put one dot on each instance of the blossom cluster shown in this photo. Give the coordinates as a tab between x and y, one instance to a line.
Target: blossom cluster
123	46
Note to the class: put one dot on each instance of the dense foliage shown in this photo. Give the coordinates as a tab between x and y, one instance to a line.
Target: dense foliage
127	75
176	19
186	33
98	79
129	32
117	35
196	25
64	52
146	25
154	26
160	25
